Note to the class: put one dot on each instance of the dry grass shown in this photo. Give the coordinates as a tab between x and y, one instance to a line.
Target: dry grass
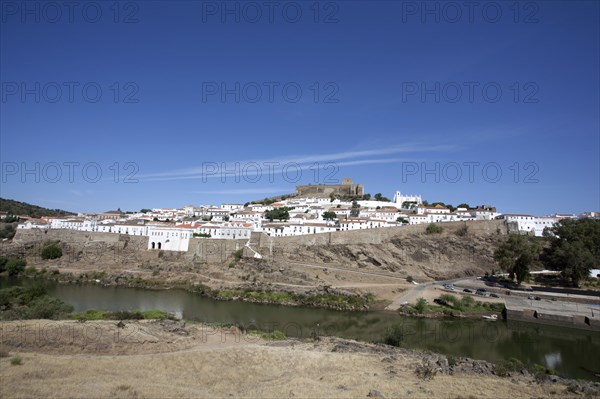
189	366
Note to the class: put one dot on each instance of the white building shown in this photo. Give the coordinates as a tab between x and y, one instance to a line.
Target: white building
232	207
400	199
438	209
525	223
174	238
34	224
296	229
383	214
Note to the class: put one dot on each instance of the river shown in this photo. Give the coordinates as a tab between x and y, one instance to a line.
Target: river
571	353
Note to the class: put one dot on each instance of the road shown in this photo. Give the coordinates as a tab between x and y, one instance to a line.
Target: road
412	295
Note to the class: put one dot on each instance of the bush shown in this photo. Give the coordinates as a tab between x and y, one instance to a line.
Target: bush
15	266
410	279
126	315
420	306
3	262
462	231
426	371
467	301
51	251
394	335
16	361
433	228
31	303
7	230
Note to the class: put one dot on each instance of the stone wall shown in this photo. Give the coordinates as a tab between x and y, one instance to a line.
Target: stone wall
377	236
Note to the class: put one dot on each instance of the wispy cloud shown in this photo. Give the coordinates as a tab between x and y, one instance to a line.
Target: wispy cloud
211	170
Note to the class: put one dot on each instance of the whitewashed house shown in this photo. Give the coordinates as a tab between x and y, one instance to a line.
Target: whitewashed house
174	238
525	223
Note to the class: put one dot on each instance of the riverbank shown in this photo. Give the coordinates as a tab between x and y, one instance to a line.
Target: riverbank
175	359
325	297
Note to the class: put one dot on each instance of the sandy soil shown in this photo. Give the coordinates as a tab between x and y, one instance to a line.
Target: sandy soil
154	359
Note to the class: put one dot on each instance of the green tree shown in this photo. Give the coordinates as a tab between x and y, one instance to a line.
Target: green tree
145	210
516	255
354	212
402	220
409	204
7	230
463	205
329	215
10	219
379	197
574	248
278	214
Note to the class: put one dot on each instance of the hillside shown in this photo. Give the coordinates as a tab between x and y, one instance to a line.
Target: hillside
376	261
24	209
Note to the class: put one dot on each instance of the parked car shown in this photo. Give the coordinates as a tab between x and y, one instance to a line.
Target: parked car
448	286
531	297
494	295
537	298
467	290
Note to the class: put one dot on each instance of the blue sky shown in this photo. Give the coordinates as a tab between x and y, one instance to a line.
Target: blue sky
163	104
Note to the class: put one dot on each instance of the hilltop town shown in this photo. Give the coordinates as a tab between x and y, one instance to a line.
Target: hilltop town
313	209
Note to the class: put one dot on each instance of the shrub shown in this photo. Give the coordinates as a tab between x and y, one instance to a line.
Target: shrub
467	301
433	228
420	305
462	231
127	315
426	371
394	335
3	262
410	279
16	361
51	251
47	307
15	266
451	361
238	254
503	368
7	230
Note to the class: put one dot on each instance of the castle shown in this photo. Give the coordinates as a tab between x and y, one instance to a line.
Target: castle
323	190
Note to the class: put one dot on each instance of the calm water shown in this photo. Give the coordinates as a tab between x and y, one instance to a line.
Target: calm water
572	353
